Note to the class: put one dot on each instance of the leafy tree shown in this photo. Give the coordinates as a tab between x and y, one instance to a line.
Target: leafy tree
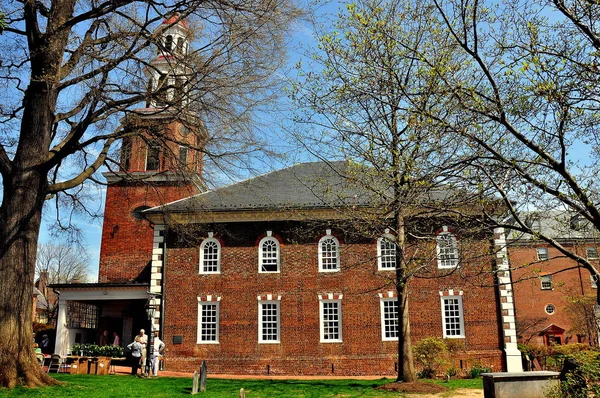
71	71
354	98
521	91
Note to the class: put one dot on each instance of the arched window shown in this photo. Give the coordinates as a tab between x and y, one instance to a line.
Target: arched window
210	255
447	249
169	43
268	254
329	253
386	252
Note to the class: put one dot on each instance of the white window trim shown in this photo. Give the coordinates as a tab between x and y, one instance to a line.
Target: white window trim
269	237
320	253
587	254
260	323
445	231
544	250
322	323
390	238
461	315
542	282
381	312
201	262
202	303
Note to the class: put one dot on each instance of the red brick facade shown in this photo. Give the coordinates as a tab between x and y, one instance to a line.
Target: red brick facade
531	299
362	351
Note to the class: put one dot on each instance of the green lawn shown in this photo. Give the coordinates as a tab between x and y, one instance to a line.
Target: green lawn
92	386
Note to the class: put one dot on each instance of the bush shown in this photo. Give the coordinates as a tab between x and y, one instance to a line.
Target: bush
430	353
94	350
582	382
476	371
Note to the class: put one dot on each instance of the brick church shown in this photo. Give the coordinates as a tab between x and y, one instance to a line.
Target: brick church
273	275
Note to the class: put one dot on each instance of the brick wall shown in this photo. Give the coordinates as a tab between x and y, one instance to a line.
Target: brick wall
299	284
531	300
126	248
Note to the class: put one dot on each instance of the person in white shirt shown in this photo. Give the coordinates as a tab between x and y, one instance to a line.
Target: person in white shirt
157	348
144	342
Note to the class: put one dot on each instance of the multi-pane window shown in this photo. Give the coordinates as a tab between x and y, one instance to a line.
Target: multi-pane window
268	255
452	317
591	253
208	322
546	281
550	309
331	320
268	322
389	319
152	157
542	253
386	253
183	157
82	315
447	250
210	254
329	253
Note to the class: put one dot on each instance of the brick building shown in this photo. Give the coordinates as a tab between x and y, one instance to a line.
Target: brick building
272	275
554	296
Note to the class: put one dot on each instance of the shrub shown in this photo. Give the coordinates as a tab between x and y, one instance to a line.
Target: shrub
582	382
476	371
430	353
97	351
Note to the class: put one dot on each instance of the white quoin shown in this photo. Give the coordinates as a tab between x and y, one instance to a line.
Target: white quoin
168	67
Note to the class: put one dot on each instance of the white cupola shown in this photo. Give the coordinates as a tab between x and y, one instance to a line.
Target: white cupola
167	72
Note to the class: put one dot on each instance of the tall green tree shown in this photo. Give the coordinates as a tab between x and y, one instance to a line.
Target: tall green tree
354	95
70	71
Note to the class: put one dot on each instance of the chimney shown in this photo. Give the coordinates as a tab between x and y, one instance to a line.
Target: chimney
43	283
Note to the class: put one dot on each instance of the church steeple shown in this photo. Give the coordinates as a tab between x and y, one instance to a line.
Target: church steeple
167	74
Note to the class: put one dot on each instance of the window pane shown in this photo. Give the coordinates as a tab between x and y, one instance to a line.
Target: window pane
447	250
210	257
331	320
387	250
390	319
452	317
329	254
208	322
269	322
269	254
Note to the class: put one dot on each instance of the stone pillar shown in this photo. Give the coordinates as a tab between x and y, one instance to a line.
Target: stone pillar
61	343
507	306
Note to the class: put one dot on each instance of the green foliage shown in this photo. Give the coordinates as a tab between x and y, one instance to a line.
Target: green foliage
476	371
97	351
431	353
583	382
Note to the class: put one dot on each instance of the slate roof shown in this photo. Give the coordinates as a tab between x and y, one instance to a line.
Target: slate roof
302	186
556	224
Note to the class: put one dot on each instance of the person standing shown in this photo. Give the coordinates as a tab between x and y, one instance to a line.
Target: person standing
157	348
45	344
144	342
116	340
104	339
136	352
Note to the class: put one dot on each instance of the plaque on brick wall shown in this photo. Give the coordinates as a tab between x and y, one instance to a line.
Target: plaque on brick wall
177	339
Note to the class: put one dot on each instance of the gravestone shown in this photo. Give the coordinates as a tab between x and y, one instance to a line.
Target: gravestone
242	393
203	373
195	384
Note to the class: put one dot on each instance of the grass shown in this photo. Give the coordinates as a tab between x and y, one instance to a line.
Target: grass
92	386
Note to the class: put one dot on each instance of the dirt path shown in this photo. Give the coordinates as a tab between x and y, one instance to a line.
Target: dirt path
463	393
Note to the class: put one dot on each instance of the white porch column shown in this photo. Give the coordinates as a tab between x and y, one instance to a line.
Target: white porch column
61	344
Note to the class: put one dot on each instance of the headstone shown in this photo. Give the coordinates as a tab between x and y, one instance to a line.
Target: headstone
195	384
242	393
203	372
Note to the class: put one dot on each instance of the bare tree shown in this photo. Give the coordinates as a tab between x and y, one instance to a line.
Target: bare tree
59	263
356	101
71	71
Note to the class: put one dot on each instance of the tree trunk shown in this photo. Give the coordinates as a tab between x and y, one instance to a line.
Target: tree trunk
406	367
19	229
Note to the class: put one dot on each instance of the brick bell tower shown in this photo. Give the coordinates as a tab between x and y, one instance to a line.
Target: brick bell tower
158	162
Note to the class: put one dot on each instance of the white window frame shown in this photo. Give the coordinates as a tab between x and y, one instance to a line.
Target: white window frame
261	254
546	282
461	317
277	304
450	242
321	254
201	268
542	253
386	255
386	319
201	328
594	251
322	304
552	311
